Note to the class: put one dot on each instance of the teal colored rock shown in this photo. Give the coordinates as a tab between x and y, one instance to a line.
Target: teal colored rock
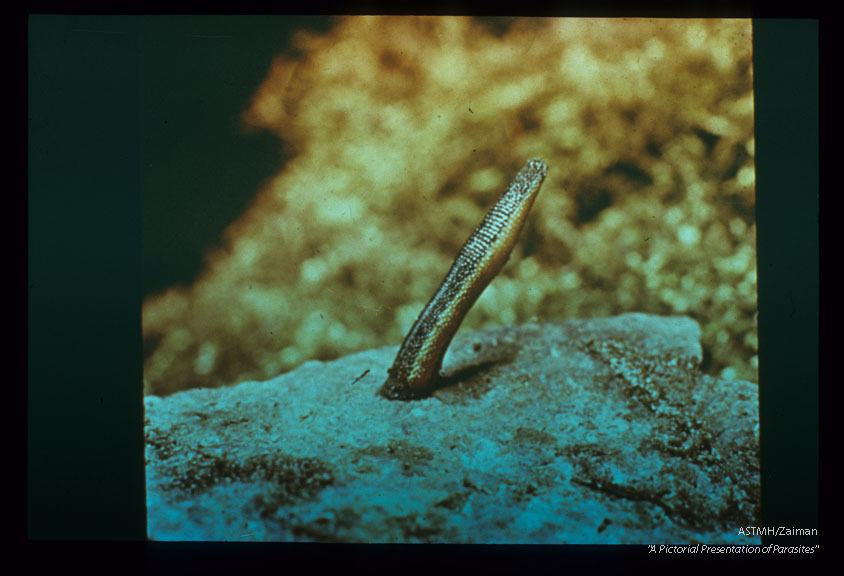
591	431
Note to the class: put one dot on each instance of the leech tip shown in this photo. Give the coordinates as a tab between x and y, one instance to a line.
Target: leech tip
538	164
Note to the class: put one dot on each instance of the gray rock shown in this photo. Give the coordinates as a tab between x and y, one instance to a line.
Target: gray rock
591	431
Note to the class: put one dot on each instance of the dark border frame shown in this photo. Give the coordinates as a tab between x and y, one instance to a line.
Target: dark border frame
85	469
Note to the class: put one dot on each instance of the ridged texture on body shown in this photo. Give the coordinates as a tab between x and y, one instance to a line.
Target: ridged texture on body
417	365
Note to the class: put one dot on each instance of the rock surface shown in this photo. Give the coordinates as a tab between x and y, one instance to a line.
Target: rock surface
589	431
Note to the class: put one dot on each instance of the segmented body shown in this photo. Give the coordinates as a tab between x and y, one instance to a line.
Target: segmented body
417	365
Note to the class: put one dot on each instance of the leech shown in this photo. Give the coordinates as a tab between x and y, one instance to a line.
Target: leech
416	369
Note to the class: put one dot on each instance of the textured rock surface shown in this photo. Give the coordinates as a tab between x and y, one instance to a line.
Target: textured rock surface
590	431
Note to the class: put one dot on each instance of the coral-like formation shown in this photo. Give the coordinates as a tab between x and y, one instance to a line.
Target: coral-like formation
404	131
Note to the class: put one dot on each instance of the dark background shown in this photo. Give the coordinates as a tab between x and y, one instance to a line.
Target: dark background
120	146
199	166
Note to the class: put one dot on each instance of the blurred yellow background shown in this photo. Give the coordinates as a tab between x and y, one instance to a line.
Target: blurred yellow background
404	131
